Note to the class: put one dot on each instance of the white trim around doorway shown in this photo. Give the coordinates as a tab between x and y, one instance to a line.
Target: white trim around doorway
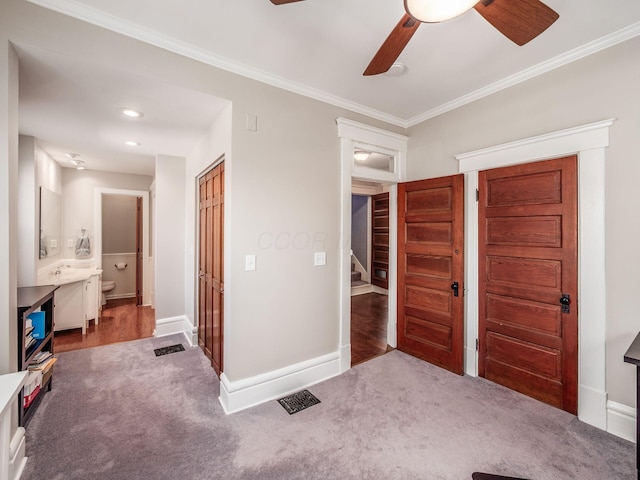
351	132
589	143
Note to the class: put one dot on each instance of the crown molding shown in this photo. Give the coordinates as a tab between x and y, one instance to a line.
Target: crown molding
585	50
96	17
99	18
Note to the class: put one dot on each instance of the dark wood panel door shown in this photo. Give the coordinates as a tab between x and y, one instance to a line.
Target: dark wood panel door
211	271
431	271
380	240
528	263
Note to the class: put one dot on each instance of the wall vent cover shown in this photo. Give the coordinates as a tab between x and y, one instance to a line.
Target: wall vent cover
298	401
170	349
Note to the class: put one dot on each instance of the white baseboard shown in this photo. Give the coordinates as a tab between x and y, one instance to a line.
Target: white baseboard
248	392
471	361
17	458
621	420
345	358
179	324
119	295
592	407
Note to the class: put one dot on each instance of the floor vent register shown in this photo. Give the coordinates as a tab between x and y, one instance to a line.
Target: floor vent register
298	401
170	349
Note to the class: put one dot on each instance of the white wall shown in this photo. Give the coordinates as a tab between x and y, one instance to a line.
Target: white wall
601	86
28	212
8	206
78	187
36	169
215	144
169	237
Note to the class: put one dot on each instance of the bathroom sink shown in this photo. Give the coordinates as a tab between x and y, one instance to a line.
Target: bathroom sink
68	274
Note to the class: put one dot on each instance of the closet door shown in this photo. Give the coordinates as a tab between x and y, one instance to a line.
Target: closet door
211	272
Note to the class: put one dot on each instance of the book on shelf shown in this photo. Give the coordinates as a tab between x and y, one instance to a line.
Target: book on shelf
40	359
28	330
29	398
28	341
32	387
37	320
43	366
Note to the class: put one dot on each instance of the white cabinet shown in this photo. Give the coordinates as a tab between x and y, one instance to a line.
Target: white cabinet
76	303
69	310
91	298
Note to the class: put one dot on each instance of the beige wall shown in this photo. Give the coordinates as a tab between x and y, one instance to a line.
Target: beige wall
284	182
601	86
119	213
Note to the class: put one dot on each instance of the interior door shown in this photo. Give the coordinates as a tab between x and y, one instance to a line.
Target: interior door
211	272
528	334
431	271
380	240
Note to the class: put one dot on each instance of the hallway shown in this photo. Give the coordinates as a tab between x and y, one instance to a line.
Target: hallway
121	321
368	327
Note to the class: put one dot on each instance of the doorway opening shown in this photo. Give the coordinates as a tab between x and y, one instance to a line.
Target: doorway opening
369	270
121	251
372	155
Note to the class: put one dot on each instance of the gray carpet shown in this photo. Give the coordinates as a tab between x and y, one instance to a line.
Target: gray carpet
120	412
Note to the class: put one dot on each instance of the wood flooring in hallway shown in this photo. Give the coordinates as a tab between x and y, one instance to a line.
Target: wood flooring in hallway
368	327
121	320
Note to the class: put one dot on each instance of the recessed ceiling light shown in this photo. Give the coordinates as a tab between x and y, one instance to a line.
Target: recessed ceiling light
132	143
80	167
72	156
129	112
77	162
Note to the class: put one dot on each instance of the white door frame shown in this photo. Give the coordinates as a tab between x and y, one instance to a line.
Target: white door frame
352	133
97	227
589	143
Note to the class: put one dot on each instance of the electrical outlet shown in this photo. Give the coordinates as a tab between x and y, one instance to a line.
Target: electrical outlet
319	259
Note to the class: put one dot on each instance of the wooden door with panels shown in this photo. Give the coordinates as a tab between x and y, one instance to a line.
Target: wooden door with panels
431	271
528	325
210	271
380	240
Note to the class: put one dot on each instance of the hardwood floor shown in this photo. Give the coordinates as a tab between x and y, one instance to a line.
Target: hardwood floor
121	321
368	327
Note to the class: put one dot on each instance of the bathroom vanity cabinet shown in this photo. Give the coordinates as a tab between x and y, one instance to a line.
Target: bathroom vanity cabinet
31	299
77	303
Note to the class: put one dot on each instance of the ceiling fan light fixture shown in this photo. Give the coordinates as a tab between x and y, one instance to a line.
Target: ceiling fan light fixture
433	11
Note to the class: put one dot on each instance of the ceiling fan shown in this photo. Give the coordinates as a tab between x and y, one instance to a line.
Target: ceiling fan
519	20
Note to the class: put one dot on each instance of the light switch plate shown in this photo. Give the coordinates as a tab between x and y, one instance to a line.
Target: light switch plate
252	122
250	263
319	258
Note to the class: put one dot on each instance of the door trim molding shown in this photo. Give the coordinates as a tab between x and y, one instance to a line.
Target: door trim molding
589	143
350	132
97	228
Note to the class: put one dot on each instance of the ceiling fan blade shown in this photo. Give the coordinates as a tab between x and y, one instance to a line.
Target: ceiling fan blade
519	20
282	2
393	46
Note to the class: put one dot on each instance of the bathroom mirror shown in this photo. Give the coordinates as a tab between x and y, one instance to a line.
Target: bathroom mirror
50	223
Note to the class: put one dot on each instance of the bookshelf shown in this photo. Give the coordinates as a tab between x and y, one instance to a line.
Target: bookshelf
31	299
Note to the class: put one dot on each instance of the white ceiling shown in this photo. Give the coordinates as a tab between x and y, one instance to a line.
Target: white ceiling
316	47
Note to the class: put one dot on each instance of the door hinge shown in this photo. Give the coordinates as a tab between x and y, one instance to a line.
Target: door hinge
477	195
477	344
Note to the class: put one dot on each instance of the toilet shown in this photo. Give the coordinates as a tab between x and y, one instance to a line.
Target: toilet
107	286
